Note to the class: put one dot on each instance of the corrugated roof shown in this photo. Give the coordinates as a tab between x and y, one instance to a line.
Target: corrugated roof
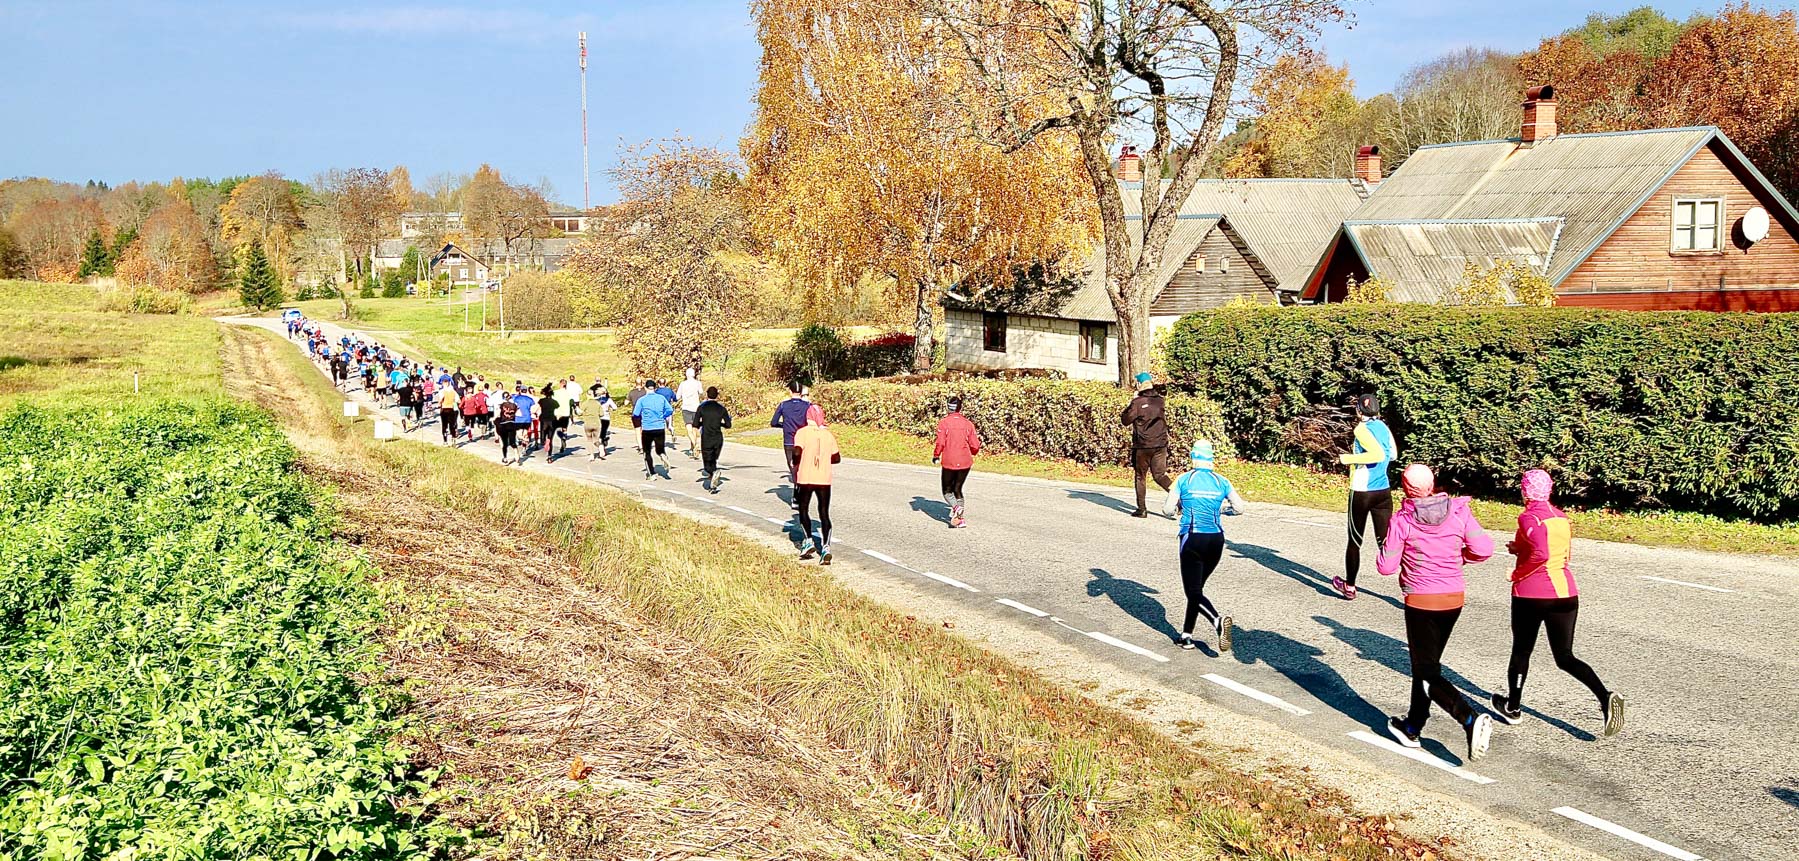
1591	181
1425	259
1286	222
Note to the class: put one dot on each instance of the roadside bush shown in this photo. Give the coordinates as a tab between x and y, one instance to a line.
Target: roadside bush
820	353
534	300
143	300
1696	411
1075	420
181	647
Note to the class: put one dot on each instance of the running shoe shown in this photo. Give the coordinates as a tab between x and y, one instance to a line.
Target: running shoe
1344	588
808	551
1402	732
825	557
1614	715
1139	513
1502	709
1480	736
1185	641
1224	634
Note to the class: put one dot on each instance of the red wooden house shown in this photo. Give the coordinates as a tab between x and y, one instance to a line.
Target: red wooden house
1661	219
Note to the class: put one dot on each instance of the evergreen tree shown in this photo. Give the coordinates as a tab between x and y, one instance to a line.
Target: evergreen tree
94	258
256	279
409	264
120	241
392	285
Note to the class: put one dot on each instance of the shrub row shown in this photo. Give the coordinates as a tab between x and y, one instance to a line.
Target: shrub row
180	649
1695	411
1075	420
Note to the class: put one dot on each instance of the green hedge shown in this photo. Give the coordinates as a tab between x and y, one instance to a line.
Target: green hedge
1694	411
182	647
1042	418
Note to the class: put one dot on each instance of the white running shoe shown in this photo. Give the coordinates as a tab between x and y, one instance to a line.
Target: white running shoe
1480	736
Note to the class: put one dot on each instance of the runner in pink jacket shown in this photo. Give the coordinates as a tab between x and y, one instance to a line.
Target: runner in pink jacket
1428	541
1544	597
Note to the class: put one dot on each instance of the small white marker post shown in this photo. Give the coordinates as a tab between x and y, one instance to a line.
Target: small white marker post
384	429
352	409
134	388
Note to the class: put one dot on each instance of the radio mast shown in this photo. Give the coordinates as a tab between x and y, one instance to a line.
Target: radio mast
585	203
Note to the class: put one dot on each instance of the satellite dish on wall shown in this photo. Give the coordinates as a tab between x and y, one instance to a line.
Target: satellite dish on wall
1755	224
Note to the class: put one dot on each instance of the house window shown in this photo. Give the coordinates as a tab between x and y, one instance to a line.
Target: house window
1224	265
1199	263
1093	342
993	332
1697	224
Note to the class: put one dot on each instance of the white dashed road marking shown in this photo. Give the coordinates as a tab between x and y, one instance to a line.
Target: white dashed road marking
1691	585
1252	693
884	558
1025	607
1585	818
949	581
741	510
1110	640
1363	735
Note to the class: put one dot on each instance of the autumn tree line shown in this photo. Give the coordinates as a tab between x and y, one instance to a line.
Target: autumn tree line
196	235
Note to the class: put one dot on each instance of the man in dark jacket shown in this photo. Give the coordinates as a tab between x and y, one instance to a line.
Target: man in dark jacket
713	420
790	416
1148	421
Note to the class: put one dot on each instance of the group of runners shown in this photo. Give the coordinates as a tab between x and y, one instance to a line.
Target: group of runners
1426	540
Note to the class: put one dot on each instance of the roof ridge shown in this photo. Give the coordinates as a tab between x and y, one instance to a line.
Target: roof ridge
1619	133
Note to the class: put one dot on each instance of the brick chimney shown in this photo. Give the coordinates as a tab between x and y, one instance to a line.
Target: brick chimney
1367	164
1130	165
1539	115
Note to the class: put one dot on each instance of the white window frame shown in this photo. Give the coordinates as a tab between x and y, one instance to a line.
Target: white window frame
1684	238
1093	350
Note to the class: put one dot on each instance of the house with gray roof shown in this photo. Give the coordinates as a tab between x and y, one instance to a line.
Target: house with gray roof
1254	240
1659	219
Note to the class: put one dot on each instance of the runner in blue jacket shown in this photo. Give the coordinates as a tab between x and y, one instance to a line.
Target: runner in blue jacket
653	411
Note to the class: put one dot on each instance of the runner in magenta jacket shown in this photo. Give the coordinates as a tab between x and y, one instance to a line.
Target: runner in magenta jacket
1544	596
1429	539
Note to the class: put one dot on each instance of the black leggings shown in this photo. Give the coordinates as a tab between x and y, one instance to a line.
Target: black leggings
709	456
1362	504
652	438
803	496
1200	552
1427	633
1558	615
953	479
508	438
446	420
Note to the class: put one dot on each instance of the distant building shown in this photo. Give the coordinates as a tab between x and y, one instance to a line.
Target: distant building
415	224
1251	240
1660	219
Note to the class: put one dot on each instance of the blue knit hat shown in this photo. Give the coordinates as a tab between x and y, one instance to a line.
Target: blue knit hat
1142	377
1201	454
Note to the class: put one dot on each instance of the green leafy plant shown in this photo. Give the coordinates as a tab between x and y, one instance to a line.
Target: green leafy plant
182	647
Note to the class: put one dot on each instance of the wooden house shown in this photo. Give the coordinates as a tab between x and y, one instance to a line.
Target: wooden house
1660	219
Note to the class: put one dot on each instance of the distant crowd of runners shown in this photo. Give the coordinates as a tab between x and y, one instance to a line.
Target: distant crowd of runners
1426	541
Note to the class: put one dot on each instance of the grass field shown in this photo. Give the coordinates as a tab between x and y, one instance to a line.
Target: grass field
54	346
1295	485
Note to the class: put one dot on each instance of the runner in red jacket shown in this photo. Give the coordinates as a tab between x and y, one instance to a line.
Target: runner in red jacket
957	444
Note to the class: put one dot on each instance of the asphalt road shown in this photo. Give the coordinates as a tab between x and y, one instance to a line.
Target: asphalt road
1700	644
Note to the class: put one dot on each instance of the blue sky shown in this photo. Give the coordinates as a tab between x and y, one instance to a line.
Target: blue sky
156	89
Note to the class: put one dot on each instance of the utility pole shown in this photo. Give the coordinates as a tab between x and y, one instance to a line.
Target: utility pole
585	203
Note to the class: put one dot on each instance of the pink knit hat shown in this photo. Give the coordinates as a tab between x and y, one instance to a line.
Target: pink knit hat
814	415
1537	485
1418	481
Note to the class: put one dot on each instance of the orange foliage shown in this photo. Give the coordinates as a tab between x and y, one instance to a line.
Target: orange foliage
1738	70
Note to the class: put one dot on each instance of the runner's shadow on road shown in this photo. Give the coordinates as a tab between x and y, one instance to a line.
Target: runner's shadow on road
1785	793
1301	663
931	508
1273	561
1102	500
1393	654
1133	598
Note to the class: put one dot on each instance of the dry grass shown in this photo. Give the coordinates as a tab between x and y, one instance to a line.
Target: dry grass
992	749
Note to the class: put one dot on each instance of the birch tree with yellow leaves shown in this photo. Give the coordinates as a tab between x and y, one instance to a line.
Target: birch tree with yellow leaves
860	163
